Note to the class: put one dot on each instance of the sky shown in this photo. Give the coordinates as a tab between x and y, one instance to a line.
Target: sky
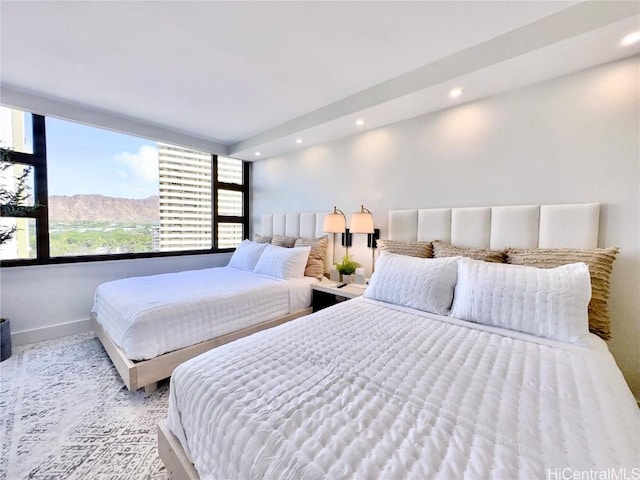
82	159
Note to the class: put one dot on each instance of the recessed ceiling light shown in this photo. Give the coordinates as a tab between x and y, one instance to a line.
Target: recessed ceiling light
257	154
298	140
630	39
455	93
359	122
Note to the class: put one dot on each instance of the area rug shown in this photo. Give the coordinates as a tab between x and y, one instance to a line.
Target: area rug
66	414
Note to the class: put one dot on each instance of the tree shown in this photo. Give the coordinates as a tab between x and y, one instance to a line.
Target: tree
12	200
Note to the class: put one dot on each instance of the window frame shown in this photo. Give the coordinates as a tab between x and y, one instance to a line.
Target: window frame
244	188
38	161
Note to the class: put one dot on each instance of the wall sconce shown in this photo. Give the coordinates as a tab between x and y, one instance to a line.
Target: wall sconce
362	222
336	222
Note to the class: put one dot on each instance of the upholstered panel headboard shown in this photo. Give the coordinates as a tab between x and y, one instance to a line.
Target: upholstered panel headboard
297	225
529	226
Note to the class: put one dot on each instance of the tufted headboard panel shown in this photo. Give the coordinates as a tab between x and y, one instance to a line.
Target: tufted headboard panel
297	225
528	226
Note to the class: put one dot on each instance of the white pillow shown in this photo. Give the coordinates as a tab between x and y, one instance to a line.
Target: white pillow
246	255
547	302
283	262
422	283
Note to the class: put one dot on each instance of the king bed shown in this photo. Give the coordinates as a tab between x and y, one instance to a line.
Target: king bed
447	367
149	325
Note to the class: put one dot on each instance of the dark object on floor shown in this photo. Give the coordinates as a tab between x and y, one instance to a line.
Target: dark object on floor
5	339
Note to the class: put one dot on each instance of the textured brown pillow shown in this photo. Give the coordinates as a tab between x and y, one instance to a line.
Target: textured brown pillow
283	241
315	264
411	249
261	239
600	262
442	249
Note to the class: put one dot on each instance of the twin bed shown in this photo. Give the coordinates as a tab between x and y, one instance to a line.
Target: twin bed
149	325
446	368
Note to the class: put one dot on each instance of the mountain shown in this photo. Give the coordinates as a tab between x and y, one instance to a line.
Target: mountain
63	208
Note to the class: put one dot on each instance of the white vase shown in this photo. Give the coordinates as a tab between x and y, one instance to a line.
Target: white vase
347	278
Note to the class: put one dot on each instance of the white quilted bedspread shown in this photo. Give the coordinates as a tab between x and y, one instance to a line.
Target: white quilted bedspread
151	315
363	390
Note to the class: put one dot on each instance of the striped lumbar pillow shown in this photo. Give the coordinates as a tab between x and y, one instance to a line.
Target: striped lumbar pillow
411	249
442	249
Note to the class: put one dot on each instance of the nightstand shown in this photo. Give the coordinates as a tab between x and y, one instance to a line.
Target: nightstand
325	296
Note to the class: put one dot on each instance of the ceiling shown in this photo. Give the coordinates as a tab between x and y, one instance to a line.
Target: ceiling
256	76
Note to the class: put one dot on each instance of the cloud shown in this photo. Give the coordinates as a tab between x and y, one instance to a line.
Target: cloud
143	164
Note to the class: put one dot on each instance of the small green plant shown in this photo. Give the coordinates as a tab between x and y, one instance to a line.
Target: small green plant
347	266
12	199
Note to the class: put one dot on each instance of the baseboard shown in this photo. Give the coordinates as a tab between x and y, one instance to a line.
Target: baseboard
49	333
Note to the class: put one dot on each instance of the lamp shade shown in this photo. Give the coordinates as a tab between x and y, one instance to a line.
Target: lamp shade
334	223
361	223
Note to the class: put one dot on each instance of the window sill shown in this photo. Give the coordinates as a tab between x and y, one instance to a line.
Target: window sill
105	258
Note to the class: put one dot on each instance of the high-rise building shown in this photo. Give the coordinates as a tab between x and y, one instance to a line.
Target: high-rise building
185	198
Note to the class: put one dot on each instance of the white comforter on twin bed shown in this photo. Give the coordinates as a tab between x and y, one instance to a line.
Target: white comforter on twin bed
151	315
367	390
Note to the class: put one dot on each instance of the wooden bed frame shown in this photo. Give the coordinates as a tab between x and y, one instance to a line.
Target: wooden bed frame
173	456
146	373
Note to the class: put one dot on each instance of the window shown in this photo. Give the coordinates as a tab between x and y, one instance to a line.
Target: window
111	195
16	181
231	201
18	195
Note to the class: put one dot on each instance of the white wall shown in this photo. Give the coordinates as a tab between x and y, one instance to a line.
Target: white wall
569	140
53	108
49	301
